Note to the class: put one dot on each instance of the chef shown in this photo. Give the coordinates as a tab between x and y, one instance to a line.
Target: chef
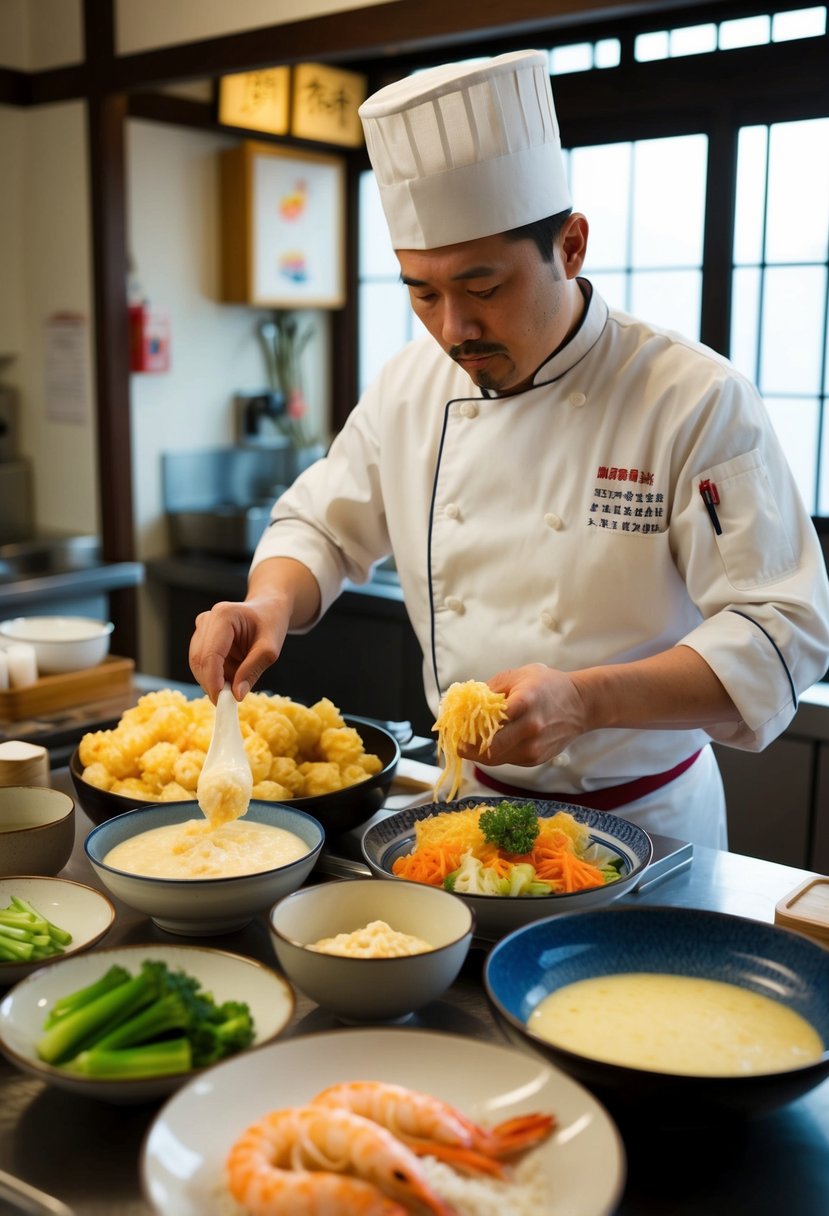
588	512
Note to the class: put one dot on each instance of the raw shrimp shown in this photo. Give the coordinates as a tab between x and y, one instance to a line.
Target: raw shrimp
432	1127
314	1161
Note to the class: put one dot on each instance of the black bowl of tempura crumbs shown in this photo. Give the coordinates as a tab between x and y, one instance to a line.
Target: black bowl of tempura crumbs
335	767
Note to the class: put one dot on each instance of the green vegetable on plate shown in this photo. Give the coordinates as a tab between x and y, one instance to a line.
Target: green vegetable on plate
156	1023
27	936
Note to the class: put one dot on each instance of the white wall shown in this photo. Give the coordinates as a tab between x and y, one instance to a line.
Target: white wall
12	122
40	34
45	254
142	24
173	196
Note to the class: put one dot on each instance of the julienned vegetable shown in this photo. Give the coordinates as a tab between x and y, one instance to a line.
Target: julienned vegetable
27	936
459	850
156	1023
511	826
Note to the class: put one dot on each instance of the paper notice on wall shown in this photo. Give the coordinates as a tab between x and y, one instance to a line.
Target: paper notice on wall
66	368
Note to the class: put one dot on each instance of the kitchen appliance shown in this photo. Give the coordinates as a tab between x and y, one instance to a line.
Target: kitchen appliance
218	500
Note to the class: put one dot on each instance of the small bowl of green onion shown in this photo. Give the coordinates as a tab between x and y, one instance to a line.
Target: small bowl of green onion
46	919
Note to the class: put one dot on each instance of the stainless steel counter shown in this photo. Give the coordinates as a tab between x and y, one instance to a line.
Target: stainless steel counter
87	1153
60	573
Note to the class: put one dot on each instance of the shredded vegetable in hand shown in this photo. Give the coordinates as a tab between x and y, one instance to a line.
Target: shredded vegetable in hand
470	712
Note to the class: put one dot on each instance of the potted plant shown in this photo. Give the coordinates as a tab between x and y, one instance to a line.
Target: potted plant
283	341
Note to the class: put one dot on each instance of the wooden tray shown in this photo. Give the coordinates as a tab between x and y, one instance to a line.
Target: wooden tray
109	678
806	909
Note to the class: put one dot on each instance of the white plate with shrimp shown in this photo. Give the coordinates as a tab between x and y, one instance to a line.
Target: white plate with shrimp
578	1168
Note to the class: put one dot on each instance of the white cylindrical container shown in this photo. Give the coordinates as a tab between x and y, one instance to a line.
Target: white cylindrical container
22	664
23	763
4	670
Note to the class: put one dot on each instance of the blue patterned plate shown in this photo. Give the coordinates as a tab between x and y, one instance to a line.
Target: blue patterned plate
497	915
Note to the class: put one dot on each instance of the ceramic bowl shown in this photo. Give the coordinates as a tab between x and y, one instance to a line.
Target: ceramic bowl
202	906
61	643
225	975
540	958
495	915
339	811
37	829
82	911
371	989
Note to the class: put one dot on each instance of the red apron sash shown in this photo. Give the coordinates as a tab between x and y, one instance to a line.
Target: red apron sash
608	799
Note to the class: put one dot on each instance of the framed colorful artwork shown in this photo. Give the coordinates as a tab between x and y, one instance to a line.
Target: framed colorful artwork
283	227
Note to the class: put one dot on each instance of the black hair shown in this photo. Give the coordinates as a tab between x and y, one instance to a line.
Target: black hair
544	232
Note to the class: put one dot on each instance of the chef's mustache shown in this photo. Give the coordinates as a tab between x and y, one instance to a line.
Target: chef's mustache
472	350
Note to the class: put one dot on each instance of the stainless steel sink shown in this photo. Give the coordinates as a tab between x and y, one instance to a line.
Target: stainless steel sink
47	556
218	500
226	529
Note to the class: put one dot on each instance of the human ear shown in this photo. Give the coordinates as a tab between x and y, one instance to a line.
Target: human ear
573	244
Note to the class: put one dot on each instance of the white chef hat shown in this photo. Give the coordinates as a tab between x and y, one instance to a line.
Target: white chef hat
466	150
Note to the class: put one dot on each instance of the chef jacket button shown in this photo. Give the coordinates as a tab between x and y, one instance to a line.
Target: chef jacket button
469	409
454	604
452	510
561	760
548	620
553	521
577	399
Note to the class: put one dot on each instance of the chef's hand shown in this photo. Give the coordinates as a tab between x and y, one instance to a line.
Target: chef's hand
236	642
547	709
544	714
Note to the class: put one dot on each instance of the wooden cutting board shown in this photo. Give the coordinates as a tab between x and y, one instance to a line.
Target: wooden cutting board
109	678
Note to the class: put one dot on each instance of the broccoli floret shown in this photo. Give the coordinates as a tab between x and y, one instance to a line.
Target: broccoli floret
511	826
157	1023
229	1029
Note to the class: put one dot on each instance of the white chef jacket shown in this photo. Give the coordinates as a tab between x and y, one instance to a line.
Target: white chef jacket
565	525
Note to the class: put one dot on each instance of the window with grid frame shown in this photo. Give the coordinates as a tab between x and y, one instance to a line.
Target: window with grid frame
647	239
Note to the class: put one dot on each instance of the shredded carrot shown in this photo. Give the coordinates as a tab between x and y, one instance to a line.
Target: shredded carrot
429	864
556	861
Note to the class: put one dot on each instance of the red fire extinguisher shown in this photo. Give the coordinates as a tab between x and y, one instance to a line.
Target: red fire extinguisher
149	332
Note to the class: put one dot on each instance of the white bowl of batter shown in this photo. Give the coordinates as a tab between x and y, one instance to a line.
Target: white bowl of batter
167	861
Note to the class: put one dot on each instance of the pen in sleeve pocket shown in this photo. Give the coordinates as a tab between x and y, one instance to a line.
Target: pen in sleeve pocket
711	498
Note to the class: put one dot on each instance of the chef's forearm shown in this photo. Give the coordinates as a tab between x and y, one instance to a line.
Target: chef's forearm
289	582
673	690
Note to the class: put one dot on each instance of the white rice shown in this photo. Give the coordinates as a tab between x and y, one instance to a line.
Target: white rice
523	1194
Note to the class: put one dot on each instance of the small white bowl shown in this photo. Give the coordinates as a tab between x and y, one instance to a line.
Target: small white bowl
200	907
371	989
37	829
61	643
225	975
82	911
